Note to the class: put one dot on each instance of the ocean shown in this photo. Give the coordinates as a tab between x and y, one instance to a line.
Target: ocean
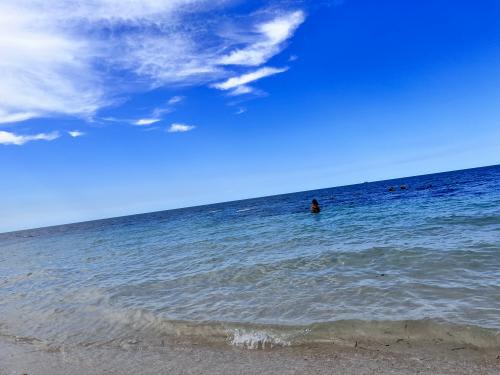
421	261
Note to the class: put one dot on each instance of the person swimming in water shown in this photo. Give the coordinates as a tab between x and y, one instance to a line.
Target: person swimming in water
315	207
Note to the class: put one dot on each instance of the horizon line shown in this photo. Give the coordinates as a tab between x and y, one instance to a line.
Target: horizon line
241	200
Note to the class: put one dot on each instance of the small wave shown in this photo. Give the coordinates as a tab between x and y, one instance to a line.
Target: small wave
144	328
349	332
246	209
467	220
341	332
249	339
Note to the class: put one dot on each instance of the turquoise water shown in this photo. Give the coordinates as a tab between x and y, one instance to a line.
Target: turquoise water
267	269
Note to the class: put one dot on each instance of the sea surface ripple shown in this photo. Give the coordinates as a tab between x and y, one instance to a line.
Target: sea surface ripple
429	250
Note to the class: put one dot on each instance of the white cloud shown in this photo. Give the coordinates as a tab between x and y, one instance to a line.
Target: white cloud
240	81
146	121
42	72
160	111
15	117
8	138
74	57
180	128
240	111
76	133
270	38
241	90
175	100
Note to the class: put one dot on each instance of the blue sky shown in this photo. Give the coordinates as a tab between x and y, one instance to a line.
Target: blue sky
114	107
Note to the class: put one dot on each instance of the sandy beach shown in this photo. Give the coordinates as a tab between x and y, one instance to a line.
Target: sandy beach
191	358
239	187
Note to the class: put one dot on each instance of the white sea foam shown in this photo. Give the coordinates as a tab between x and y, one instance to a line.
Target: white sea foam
256	339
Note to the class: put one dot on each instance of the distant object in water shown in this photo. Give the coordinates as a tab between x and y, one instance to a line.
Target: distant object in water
315	206
392	188
403	187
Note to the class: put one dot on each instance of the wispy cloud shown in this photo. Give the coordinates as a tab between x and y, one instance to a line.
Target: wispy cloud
241	90
76	133
239	84
75	57
8	117
175	99
160	111
8	138
146	121
43	72
180	128
157	113
269	40
240	111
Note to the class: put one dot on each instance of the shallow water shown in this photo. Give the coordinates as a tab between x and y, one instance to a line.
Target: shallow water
431	251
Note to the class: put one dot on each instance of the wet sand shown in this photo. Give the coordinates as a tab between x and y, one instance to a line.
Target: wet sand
190	358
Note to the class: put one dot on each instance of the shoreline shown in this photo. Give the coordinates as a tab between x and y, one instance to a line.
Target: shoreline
182	357
151	332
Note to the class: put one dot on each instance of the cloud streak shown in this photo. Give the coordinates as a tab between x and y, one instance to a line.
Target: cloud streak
175	100
146	121
269	40
180	128
76	133
238	84
8	138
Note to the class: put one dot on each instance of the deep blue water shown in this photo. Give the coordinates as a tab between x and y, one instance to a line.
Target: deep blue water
430	251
